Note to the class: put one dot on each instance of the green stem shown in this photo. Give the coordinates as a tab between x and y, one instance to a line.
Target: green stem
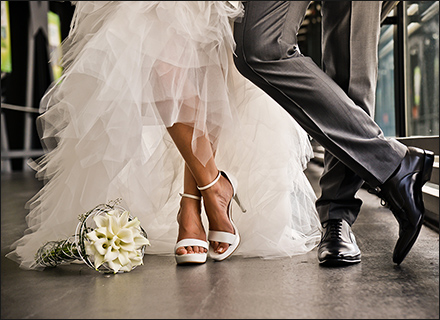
64	251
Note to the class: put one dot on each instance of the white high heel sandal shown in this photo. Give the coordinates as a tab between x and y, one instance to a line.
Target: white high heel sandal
233	239
191	257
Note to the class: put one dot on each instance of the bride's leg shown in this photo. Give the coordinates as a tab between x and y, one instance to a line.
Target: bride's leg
217	198
189	219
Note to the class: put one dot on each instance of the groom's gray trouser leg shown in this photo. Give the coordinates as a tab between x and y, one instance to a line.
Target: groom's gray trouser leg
268	55
350	38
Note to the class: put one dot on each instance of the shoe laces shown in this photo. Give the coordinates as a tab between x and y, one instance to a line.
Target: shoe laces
377	192
335	229
386	203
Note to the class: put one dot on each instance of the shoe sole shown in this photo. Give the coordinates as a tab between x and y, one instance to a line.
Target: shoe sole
191	258
339	262
190	263
426	176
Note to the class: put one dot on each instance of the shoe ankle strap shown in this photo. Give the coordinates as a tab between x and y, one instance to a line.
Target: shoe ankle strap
211	184
186	195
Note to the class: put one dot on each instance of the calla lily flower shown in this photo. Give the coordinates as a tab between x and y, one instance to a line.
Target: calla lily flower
117	241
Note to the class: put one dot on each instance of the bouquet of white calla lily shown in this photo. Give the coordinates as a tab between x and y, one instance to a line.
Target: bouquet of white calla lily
116	241
115	244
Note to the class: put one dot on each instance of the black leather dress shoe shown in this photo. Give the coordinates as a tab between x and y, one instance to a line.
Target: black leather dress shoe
338	245
402	193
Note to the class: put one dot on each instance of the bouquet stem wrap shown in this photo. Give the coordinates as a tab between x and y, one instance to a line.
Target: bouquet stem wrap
107	239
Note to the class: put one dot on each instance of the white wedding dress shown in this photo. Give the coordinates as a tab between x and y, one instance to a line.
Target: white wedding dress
132	68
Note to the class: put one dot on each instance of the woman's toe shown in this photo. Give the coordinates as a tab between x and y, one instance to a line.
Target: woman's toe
181	250
214	245
222	247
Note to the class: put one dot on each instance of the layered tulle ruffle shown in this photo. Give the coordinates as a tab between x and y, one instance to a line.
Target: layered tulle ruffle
133	68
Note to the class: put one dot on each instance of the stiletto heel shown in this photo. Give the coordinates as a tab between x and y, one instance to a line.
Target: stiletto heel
191	257
233	239
243	209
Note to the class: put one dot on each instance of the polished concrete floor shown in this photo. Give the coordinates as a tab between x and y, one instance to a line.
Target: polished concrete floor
291	288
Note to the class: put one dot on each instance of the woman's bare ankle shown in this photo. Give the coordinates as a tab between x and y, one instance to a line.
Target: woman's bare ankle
216	201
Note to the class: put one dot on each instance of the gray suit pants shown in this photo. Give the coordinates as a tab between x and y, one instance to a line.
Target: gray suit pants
350	38
267	53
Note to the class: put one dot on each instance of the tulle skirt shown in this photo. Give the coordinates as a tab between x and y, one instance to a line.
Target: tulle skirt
134	68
